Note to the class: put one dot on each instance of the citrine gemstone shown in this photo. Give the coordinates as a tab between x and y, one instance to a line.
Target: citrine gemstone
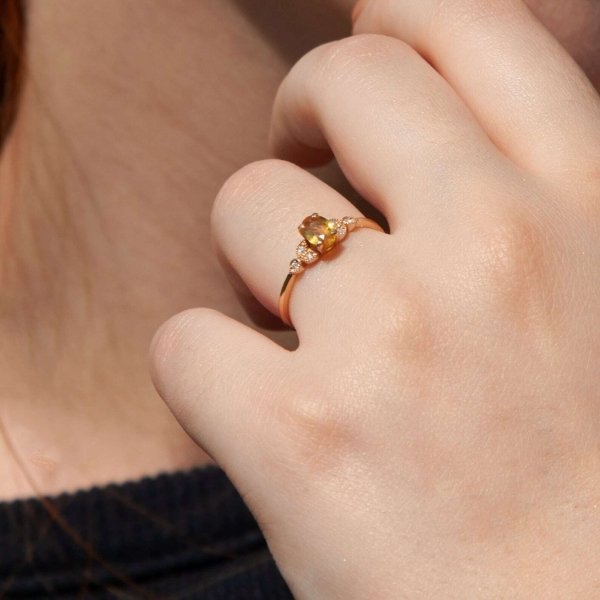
319	232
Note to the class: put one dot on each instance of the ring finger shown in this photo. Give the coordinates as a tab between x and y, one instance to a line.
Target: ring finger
255	222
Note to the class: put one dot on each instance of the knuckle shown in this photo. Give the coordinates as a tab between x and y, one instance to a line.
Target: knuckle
582	186
379	15
248	183
513	248
445	13
346	57
412	330
321	431
515	263
404	325
463	13
588	213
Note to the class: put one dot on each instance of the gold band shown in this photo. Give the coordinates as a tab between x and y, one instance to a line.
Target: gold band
320	236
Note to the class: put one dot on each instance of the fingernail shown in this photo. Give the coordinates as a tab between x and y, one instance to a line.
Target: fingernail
357	10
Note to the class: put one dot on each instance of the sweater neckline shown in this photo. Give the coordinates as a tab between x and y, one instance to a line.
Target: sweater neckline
122	530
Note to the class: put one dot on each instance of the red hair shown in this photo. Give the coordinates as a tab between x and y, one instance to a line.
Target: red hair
12	58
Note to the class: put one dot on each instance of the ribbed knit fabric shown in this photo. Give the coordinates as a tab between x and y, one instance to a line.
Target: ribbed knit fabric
186	535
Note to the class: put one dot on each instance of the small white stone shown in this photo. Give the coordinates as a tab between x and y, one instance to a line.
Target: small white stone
341	231
301	249
349	222
296	266
310	256
305	253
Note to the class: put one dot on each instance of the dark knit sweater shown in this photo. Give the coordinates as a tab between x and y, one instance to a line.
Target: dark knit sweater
186	535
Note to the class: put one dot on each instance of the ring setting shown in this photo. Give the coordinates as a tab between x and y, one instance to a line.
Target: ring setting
319	236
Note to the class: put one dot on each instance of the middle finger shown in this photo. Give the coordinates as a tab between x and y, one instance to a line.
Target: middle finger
400	132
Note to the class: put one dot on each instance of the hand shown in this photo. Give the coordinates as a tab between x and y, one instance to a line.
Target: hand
436	433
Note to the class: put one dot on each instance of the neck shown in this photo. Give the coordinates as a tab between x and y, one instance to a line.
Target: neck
130	121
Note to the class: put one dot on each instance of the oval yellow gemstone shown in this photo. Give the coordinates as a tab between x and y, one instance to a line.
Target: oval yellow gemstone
319	232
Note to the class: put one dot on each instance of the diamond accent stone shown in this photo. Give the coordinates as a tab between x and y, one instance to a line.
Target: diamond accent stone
310	257
296	266
349	222
341	231
301	249
306	254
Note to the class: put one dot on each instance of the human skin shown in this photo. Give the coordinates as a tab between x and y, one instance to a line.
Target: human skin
435	434
106	186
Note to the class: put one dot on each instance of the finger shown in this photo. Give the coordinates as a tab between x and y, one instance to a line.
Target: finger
400	133
526	90
255	223
215	374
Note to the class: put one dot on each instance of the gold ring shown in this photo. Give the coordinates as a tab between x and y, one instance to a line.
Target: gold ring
320	235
